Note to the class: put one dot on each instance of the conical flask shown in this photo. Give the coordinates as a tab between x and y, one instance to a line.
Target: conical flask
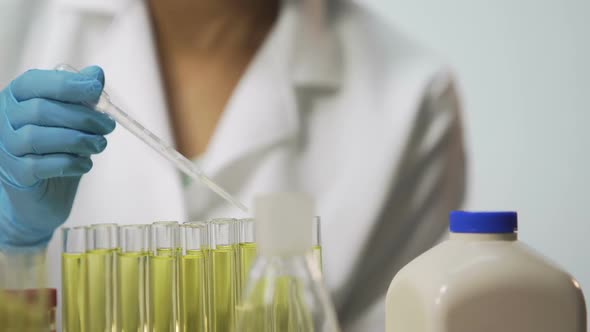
284	289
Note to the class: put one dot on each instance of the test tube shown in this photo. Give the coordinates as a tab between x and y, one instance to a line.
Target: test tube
317	242
102	245
162	294
74	271
224	274
193	294
131	278
247	251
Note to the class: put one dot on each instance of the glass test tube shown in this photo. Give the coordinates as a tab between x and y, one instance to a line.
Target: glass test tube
224	274
192	294
131	278
162	296
317	242
102	245
247	251
74	271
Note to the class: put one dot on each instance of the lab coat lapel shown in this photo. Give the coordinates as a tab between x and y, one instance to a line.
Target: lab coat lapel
263	113
263	109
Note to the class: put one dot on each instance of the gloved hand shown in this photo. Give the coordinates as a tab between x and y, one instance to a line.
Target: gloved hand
47	135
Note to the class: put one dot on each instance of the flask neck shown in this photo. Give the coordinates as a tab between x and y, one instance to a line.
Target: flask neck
281	252
302	265
483	236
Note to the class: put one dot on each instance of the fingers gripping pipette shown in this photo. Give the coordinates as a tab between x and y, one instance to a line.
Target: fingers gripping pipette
105	105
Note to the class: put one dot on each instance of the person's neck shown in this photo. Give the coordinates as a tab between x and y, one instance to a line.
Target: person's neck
212	25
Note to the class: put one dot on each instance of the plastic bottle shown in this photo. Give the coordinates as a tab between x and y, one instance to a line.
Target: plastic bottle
284	290
483	279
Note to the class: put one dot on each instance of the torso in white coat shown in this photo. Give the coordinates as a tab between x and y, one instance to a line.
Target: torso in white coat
358	116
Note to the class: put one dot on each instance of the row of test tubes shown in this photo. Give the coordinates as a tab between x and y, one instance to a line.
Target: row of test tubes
160	277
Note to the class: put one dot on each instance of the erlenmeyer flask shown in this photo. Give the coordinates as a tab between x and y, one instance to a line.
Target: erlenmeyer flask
284	291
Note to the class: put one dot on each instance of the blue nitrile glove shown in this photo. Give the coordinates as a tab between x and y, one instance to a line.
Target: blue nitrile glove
47	135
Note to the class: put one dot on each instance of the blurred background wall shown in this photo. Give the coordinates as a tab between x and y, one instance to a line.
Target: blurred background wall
524	69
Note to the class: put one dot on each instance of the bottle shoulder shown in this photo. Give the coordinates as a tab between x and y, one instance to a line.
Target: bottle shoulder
484	287
455	266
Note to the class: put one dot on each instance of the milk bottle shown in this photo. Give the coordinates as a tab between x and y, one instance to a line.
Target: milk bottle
484	280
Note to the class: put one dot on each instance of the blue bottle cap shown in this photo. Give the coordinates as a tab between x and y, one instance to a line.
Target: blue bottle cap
483	222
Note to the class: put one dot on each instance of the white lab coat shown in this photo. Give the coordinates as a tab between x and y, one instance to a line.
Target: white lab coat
359	116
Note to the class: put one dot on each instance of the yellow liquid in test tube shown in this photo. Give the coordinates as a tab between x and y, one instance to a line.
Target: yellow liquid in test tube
208	282
100	263
317	255
192	292
3	310
247	257
162	300
131	305
224	279
74	310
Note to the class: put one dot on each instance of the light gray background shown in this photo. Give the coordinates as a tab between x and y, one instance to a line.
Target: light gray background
524	70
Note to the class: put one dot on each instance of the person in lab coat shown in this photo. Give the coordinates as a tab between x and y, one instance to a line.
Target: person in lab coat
313	96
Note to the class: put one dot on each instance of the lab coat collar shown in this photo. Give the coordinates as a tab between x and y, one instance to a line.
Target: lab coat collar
316	55
263	108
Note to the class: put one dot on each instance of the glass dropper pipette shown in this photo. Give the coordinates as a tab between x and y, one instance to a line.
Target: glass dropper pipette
105	105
